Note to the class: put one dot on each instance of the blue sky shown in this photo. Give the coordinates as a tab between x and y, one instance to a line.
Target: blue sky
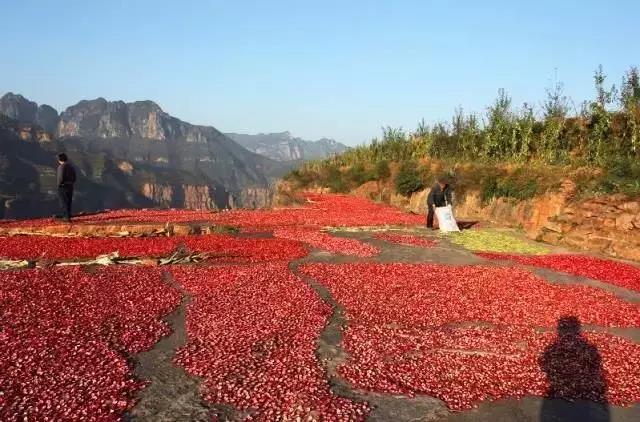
339	69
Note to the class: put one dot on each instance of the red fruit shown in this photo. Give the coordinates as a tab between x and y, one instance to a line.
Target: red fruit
617	273
252	332
466	334
64	336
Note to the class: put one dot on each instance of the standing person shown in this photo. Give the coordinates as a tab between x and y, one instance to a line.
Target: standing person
66	177
439	196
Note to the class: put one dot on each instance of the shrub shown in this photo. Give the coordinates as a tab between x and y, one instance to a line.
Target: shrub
408	179
382	171
520	185
358	174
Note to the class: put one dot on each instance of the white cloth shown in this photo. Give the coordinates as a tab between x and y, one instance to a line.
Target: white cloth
446	220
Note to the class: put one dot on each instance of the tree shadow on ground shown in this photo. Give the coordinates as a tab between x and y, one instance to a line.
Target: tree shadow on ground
573	367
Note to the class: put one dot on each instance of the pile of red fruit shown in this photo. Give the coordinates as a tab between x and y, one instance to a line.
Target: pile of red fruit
252	332
64	334
319	210
222	248
616	273
321	240
67	248
465	334
407	239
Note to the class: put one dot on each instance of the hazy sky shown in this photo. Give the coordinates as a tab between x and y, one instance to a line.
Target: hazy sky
338	69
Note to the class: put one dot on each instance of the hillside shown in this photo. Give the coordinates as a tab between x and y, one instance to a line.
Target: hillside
130	154
569	179
284	147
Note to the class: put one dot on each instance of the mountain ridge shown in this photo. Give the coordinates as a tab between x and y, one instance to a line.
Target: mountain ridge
167	158
282	146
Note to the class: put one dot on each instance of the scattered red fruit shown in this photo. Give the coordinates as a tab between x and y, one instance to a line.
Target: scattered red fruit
65	334
616	273
232	249
68	248
465	334
321	210
407	239
321	240
252	332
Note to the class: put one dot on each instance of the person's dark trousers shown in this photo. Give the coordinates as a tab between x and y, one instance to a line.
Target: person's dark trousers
430	214
65	194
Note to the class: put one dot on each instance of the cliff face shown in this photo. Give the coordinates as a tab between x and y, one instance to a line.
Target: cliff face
284	147
22	110
135	151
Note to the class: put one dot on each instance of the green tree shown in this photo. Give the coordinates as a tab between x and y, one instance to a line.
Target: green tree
499	132
408	179
556	105
630	91
382	171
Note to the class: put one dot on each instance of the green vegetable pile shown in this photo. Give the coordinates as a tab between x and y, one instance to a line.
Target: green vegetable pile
491	240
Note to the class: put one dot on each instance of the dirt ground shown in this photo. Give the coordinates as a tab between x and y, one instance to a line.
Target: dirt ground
173	395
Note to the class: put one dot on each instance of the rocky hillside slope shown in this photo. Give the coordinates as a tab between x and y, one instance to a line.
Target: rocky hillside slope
608	224
129	154
284	147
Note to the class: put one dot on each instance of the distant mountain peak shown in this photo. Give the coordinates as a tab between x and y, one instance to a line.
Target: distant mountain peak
283	146
23	110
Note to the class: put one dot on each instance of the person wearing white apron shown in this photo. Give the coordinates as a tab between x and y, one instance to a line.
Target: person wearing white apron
439	196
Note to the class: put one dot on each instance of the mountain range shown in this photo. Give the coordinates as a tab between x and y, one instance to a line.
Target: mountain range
283	146
128	155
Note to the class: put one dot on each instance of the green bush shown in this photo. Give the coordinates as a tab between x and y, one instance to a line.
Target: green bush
358	174
332	178
520	185
382	171
408	179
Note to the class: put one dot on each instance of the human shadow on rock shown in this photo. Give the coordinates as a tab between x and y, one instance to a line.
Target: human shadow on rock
577	387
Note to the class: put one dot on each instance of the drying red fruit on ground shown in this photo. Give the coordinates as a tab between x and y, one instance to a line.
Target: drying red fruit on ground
252	332
64	335
119	216
322	210
465	334
407	239
463	366
245	249
319	210
613	272
322	240
431	294
68	248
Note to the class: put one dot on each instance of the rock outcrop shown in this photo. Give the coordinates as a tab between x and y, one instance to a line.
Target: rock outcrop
607	224
22	110
285	147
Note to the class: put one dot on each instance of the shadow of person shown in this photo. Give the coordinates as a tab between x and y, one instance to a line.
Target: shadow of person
573	367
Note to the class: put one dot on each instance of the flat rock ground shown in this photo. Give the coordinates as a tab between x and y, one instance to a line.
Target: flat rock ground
174	395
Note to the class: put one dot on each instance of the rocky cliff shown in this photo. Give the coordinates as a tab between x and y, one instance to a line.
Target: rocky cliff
136	152
284	147
22	110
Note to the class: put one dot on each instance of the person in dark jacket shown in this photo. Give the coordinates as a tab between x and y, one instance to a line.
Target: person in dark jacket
66	177
439	196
